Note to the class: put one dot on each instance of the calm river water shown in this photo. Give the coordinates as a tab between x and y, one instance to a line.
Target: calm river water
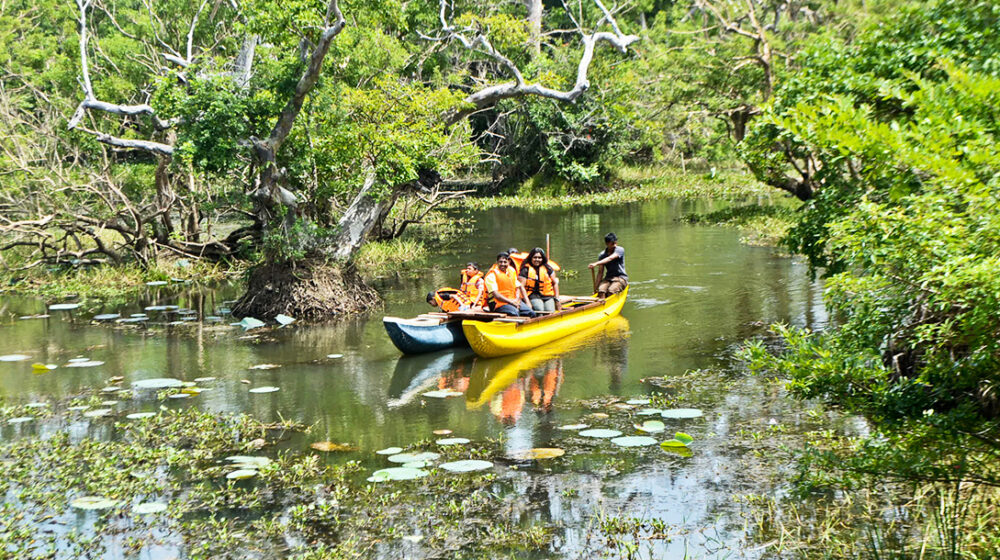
696	292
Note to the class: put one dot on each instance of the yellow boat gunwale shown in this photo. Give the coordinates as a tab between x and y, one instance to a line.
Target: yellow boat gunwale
490	339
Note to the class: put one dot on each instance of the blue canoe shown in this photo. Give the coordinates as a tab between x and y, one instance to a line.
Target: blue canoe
425	333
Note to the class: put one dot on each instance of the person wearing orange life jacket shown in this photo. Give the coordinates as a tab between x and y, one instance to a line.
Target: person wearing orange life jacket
473	284
516	257
505	292
540	282
449	299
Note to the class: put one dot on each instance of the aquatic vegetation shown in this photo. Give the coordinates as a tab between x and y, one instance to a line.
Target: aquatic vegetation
539	453
469	465
600	433
329	446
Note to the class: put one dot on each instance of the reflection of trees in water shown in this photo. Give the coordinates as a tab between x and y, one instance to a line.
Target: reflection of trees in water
614	353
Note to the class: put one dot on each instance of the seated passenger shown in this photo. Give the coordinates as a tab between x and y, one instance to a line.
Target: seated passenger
473	284
449	299
540	282
505	293
516	258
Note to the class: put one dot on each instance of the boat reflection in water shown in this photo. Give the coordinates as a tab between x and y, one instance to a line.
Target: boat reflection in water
509	382
425	372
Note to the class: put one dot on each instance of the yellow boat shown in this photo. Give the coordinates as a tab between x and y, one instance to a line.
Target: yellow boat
493	376
509	335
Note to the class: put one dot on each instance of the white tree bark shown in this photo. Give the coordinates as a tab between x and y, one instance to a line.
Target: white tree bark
488	96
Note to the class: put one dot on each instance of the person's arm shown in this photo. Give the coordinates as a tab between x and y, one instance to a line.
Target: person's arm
555	286
605	260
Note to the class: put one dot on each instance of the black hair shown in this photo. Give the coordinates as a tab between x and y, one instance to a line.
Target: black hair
537	250
473	265
503	254
430	297
511	251
610	237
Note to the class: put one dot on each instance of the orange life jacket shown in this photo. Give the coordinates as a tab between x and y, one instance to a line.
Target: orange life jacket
538	281
455	301
506	283
517	258
472	287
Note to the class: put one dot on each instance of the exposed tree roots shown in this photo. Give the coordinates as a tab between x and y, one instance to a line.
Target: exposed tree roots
309	290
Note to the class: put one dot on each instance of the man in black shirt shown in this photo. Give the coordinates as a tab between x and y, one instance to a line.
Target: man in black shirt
613	261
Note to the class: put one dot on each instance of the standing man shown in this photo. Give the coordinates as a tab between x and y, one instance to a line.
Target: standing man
506	294
612	259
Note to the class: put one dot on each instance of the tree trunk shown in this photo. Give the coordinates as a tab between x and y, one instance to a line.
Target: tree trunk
534	25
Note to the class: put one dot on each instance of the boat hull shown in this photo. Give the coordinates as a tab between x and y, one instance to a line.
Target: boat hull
414	336
500	338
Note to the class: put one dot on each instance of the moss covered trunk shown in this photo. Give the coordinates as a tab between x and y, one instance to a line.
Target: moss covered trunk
309	290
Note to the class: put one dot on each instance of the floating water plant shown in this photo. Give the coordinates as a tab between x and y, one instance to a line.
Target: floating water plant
204	379
600	433
265	366
573	427
397	473
633	441
637	401
85	363
678	413
140	415
651	426
14	358
453	441
539	453
63	306
284	320
36	405
411	457
106	316
241	474
265	389
149	508
680	440
97	412
20	419
158	383
334	356
467	465
92	503
42	368
441	432
649	412
390	451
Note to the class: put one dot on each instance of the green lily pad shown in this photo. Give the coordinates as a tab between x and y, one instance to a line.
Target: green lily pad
573	427
106	316
681	450
140	415
97	412
453	441
36	405
241	474
678	413
467	465
78	407
63	306
92	502
155	283
149	507
158	383
397	473
680	440
637	401
20	419
390	451
249	462
633	441
651	426
648	412
14	358
411	457
284	319
266	389
417	464
600	433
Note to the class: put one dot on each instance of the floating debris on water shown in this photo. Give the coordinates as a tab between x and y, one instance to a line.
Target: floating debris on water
250	323
284	320
85	363
39	367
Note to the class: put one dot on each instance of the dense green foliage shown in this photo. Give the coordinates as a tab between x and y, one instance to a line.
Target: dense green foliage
901	128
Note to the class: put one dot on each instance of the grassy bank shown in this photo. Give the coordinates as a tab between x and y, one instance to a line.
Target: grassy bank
111	283
634	184
759	225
